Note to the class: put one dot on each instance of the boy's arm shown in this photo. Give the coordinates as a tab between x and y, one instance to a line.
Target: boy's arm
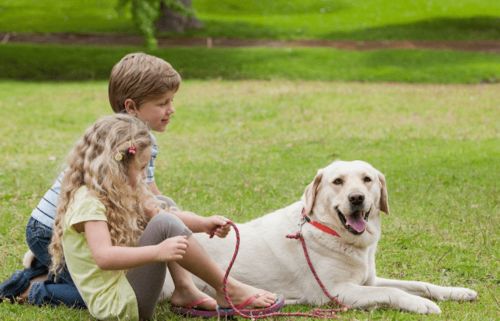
110	257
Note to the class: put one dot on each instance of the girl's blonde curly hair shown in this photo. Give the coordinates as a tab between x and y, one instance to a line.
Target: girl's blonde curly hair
100	161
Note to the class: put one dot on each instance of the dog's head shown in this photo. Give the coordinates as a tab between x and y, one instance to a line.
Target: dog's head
348	196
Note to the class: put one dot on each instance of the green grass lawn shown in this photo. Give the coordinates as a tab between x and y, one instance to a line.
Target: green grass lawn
51	62
245	148
277	19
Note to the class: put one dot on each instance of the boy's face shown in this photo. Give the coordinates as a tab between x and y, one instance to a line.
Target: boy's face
156	112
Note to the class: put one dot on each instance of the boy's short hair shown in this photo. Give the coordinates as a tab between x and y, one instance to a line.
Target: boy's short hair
140	76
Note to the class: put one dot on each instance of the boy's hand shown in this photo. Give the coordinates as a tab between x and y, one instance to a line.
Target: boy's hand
216	225
151	207
172	249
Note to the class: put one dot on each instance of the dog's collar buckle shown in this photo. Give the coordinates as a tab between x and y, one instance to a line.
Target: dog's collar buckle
306	219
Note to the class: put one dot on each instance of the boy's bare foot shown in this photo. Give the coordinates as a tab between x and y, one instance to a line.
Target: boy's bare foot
24	296
191	297
241	293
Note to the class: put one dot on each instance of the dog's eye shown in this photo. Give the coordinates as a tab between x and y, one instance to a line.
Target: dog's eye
338	181
367	179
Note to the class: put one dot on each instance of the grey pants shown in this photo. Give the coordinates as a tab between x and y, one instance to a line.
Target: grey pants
147	280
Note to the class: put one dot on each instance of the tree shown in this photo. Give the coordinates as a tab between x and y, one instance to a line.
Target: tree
177	19
166	15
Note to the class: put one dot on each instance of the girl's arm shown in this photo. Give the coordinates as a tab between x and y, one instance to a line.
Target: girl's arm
109	257
194	222
212	225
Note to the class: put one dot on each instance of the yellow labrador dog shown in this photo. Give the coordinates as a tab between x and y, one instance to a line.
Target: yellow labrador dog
346	197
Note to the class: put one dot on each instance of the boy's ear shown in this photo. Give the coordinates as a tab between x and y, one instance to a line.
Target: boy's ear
130	106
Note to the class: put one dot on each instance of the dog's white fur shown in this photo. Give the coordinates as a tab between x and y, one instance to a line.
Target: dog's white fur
345	264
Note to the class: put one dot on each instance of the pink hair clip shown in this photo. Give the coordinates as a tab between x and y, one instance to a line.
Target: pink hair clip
132	150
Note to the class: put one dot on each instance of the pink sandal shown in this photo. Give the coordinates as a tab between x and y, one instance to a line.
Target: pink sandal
193	310
244	307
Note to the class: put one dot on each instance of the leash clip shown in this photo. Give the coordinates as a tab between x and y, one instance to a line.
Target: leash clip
305	219
302	222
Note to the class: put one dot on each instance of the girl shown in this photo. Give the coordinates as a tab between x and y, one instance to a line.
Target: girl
115	240
144	86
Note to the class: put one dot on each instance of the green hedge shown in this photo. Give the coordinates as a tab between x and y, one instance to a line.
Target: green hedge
63	63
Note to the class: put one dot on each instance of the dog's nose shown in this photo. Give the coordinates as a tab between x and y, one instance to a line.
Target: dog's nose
356	198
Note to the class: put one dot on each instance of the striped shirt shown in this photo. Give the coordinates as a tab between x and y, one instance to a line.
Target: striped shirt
150	172
46	210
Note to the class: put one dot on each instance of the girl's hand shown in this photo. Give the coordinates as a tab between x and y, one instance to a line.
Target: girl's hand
216	225
172	249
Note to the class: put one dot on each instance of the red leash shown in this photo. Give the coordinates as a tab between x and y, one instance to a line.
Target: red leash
332	298
254	314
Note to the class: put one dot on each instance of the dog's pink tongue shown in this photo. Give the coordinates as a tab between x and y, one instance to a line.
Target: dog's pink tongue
356	222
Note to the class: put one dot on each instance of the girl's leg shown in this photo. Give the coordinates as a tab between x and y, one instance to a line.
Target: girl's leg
147	280
185	292
197	261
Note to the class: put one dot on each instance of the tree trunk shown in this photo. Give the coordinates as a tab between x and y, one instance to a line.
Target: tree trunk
173	21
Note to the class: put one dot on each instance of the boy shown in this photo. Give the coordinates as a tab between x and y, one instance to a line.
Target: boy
144	86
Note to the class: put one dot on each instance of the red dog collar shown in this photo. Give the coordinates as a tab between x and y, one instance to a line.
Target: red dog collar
319	225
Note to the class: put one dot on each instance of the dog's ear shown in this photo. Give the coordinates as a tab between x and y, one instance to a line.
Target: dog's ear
384	197
309	196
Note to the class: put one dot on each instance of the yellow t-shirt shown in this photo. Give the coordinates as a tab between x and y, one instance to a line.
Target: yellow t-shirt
108	294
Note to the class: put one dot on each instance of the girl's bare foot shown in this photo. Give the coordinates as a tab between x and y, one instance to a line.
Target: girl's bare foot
241	293
190	296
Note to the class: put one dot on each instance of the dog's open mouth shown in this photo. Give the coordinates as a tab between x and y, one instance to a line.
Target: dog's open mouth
354	223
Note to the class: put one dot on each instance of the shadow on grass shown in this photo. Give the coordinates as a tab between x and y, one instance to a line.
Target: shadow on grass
44	62
443	28
473	28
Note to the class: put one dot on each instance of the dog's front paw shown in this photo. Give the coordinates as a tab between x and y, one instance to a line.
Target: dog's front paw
459	294
418	304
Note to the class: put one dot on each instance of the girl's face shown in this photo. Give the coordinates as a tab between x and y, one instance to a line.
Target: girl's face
137	167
